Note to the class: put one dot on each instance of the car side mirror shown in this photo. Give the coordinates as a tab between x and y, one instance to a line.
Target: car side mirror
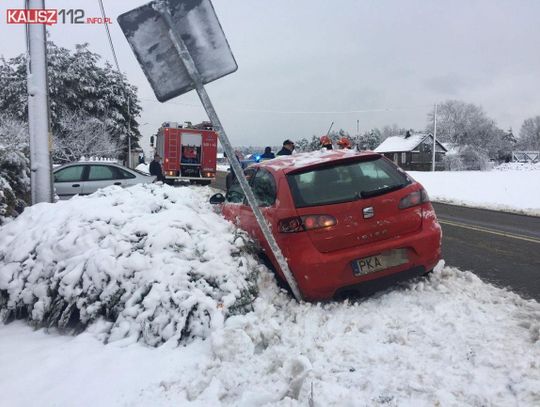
217	199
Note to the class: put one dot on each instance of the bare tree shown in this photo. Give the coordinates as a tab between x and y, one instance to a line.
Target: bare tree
463	123
529	134
86	137
390	131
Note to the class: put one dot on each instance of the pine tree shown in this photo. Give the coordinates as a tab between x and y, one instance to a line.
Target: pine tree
78	85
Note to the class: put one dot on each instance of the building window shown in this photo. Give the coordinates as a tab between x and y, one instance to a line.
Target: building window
403	158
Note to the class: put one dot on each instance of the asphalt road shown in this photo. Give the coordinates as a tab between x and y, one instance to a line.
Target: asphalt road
501	248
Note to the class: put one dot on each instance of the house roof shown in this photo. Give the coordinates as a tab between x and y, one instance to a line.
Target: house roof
401	143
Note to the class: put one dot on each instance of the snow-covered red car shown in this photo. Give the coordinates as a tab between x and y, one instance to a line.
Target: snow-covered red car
345	221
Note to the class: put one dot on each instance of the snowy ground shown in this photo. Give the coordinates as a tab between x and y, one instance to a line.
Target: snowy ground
448	340
511	188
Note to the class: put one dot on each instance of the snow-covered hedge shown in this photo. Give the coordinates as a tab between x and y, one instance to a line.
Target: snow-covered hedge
149	263
14	167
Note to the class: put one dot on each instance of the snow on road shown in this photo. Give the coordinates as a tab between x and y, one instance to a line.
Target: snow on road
449	339
510	189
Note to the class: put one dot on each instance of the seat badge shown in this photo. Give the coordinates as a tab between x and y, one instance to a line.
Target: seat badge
368	212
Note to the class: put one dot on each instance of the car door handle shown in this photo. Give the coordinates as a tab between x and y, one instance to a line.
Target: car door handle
117	183
76	185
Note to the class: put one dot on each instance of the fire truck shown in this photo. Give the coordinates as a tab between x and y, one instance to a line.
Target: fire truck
189	152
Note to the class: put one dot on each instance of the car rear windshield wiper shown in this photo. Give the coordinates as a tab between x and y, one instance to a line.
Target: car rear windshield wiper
380	191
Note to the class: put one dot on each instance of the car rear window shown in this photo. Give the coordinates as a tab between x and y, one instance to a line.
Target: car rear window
345	182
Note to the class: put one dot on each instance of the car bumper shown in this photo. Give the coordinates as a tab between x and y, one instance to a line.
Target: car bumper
321	275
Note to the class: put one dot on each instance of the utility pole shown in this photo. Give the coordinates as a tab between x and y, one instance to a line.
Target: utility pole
38	110
434	137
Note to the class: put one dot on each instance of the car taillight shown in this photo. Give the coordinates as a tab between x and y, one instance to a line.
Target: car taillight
208	174
414	198
308	222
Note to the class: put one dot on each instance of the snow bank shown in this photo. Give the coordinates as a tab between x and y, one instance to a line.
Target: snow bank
508	190
149	263
448	340
518	167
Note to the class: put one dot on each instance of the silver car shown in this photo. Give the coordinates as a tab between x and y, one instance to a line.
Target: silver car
85	178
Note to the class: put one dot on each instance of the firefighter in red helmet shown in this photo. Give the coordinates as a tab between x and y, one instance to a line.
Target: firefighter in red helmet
326	142
344	143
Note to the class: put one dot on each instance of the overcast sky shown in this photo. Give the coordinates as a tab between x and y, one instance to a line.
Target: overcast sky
306	63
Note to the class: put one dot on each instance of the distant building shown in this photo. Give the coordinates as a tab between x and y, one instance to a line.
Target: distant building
413	151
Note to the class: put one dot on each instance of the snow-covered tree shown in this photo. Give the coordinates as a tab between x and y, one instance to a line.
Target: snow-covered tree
391	131
302	145
77	83
464	124
14	167
83	138
369	140
529	134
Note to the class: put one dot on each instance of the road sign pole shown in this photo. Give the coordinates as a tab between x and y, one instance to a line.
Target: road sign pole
38	110
189	64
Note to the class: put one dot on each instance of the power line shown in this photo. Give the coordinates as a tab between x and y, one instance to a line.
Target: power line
109	34
255	110
126	95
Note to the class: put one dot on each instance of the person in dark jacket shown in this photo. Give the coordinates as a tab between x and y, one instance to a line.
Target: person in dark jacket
155	168
268	154
288	147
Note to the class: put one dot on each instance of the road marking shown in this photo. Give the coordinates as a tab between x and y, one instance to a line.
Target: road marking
486	230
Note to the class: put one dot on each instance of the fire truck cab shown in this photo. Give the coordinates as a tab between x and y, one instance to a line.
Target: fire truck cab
189	152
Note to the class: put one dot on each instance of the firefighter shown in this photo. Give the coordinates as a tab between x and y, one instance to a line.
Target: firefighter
344	143
326	142
155	168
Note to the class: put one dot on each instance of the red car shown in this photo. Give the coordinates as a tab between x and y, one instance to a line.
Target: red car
345	221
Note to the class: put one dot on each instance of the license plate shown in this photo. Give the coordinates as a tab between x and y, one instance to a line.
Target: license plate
378	262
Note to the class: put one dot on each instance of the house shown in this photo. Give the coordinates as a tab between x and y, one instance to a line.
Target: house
413	151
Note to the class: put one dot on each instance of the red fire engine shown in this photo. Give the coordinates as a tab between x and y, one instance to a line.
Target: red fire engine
189	151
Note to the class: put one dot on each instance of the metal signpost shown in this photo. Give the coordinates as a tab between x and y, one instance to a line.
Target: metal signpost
165	33
38	110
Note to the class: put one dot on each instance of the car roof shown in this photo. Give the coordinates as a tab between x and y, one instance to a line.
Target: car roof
90	163
304	161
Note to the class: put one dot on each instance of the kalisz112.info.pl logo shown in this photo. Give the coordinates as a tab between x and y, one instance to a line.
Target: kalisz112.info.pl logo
52	16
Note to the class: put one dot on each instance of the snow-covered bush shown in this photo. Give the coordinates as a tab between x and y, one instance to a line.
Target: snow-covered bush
453	162
474	158
14	167
149	263
466	159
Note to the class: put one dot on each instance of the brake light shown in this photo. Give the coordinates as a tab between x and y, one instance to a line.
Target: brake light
414	198
304	223
208	174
